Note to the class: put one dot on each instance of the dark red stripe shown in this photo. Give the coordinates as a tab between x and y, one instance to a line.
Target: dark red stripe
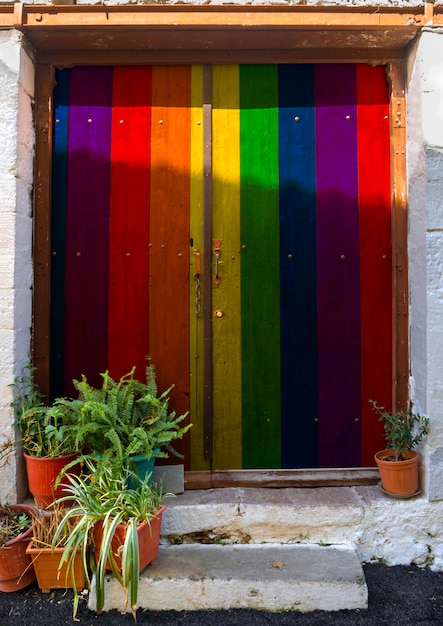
129	221
375	251
87	223
338	268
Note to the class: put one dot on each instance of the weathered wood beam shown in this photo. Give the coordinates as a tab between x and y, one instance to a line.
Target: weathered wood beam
209	17
281	478
400	292
42	229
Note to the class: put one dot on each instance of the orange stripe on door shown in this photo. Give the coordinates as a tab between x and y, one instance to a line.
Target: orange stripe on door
169	233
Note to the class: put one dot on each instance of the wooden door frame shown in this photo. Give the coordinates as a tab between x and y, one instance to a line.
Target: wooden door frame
43	24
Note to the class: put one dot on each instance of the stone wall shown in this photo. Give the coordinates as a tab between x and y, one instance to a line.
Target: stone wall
16	185
425	175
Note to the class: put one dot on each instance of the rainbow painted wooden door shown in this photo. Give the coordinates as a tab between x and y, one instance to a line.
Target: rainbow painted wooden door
301	289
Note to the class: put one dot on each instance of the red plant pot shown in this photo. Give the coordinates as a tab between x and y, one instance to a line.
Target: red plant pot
398	477
16	569
148	540
42	474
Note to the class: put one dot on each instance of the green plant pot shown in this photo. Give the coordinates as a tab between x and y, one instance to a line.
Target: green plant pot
142	466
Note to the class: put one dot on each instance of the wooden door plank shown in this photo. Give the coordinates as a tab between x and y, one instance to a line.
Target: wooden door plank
400	278
298	292
375	252
40	339
196	279
208	404
277	479
169	229
226	296
260	266
58	230
129	221
338	267
87	224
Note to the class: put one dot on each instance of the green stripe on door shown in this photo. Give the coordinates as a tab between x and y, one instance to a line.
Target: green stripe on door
260	266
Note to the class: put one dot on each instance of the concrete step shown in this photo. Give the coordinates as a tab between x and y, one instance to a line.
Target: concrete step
271	577
363	518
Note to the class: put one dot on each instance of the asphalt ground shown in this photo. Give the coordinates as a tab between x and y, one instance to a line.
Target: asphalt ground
398	595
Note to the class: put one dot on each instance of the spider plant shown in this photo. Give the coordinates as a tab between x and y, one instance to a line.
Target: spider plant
105	499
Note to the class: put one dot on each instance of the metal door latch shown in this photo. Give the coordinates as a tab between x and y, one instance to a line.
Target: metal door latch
217	251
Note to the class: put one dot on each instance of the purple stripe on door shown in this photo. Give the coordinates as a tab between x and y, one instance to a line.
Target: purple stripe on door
337	266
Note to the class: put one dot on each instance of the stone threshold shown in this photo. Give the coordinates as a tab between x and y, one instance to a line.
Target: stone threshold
375	525
263	577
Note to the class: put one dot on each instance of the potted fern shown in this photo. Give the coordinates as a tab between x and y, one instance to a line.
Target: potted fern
126	421
398	463
47	438
121	515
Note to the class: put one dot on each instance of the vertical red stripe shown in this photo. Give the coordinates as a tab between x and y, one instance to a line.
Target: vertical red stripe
129	221
169	233
375	251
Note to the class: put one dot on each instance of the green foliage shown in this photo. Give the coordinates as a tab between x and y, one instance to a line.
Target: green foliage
26	391
106	498
403	430
124	419
47	431
12	524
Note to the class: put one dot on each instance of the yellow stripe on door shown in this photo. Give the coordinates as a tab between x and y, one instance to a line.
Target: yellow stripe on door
196	294
226	297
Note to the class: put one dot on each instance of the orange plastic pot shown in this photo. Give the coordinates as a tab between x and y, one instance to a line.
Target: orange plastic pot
42	474
148	540
398	477
16	569
46	562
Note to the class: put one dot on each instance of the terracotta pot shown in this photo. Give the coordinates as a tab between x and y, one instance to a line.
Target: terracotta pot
16	569
398	477
148	539
46	562
42	474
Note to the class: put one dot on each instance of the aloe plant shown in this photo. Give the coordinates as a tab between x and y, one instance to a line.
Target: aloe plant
102	497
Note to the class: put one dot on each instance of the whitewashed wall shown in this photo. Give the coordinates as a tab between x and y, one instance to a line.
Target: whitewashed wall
425	173
16	179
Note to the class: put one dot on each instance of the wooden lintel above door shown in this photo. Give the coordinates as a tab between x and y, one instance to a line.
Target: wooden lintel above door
355	33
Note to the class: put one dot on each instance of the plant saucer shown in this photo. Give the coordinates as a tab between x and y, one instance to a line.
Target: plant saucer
398	496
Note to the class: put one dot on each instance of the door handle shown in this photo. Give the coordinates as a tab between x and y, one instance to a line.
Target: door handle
217	251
